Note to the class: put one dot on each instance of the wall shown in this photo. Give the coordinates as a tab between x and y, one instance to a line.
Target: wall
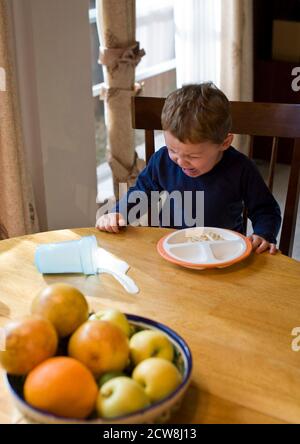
55	83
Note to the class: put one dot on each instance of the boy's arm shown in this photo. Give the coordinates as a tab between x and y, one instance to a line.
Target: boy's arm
146	182
263	210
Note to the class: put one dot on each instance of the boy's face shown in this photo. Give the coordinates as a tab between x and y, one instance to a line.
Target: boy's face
195	159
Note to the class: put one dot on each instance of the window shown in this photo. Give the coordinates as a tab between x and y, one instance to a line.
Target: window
156	34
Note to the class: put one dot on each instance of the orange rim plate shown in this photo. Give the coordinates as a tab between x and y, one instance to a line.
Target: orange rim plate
204	247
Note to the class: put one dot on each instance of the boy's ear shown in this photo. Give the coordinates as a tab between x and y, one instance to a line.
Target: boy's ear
227	142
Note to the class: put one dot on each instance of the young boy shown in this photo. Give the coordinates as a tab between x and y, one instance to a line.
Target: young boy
198	156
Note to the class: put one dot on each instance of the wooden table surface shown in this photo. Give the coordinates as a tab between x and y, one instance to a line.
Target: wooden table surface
237	321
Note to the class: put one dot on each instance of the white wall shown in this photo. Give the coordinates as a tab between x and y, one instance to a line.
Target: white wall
55	83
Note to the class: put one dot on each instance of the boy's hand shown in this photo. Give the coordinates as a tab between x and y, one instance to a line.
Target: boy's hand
110	222
259	244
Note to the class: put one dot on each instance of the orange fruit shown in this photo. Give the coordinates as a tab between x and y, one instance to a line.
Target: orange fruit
61	386
101	346
28	341
63	305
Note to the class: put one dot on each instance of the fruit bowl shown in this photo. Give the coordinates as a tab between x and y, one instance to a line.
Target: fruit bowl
158	412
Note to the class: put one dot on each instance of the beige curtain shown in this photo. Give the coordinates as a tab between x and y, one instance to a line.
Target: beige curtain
17	209
237	55
119	54
237	49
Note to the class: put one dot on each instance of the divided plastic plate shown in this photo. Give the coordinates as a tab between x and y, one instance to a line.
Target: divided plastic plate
204	247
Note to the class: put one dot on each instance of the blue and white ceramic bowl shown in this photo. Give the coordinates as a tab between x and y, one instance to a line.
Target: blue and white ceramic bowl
159	412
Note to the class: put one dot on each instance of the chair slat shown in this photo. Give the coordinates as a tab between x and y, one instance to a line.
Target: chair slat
245	221
273	163
256	119
251	147
149	143
291	204
245	212
266	119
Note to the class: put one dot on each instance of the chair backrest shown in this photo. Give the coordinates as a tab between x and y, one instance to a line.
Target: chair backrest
253	119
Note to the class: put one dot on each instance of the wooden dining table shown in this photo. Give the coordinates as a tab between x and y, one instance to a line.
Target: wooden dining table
238	321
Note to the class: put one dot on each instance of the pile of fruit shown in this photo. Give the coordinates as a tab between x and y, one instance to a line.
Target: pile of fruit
76	366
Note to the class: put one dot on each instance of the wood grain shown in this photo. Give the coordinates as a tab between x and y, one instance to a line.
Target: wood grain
237	321
257	119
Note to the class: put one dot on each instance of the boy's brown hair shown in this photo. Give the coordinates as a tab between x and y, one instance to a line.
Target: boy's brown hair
197	113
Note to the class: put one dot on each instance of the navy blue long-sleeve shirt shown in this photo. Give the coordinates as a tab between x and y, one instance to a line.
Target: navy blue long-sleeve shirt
234	182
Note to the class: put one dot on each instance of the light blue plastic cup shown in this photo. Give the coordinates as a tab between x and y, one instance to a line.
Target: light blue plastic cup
75	256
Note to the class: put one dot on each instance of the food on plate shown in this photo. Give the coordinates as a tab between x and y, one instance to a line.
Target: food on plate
204	236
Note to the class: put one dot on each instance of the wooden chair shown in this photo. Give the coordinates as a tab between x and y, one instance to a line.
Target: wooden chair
254	119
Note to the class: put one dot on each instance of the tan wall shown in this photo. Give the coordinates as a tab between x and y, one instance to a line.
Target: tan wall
54	71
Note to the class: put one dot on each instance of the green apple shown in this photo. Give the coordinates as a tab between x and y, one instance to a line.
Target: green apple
150	344
108	376
114	316
120	396
158	376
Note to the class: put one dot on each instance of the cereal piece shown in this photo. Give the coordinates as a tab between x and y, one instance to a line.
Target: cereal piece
204	237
